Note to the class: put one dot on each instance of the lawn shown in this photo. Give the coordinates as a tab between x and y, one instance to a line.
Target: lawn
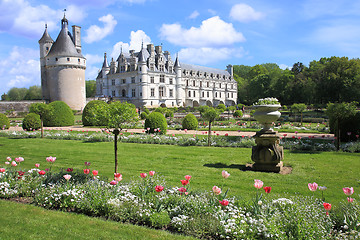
334	170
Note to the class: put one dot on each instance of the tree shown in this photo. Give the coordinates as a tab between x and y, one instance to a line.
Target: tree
202	109
34	93
298	108
41	109
119	115
90	86
17	94
210	115
338	112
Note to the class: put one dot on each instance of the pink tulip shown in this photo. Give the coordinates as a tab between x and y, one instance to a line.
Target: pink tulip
350	200
225	174
159	188
87	163
51	159
348	191
182	189
216	190
95	172
37	165
312	186
13	163
8	159
86	171
143	175
67	177
2	170
258	183
113	182
224	202
188	177
19	159
151	173
7	163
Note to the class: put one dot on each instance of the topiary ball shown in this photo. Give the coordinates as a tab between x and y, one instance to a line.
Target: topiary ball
31	122
156	121
59	114
238	114
94	113
143	115
190	122
4	122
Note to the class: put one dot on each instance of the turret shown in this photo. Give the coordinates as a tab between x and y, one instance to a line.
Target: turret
105	67
230	69
142	69
180	93
112	66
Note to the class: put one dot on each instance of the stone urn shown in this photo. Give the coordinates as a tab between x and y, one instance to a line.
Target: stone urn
267	154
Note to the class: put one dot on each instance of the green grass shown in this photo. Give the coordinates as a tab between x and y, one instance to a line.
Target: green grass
334	170
21	221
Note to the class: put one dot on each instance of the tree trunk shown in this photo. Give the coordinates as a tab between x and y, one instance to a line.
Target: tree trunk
42	128
116	133
301	118
338	135
209	134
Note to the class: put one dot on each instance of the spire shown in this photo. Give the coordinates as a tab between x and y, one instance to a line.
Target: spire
105	64
46	37
64	21
141	56
177	62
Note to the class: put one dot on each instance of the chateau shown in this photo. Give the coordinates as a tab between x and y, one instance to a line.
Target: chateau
63	67
151	78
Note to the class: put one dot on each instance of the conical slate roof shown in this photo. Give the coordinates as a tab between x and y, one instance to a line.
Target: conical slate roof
105	63
141	55
177	62
46	37
64	46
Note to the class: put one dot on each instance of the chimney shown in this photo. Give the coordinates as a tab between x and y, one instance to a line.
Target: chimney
76	30
151	49
158	49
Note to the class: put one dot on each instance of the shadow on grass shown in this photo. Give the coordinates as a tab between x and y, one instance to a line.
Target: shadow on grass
241	167
305	151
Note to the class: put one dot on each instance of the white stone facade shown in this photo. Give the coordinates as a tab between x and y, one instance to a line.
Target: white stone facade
150	78
63	67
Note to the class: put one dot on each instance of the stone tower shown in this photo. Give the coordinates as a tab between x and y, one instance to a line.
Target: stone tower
63	67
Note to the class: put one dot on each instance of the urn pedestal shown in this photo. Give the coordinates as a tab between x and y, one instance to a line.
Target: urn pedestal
267	154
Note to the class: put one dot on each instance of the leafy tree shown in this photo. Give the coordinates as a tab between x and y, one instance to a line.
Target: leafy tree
221	107
119	115
42	110
203	109
4	97
34	93
17	94
298	108
339	112
210	115
90	86
94	113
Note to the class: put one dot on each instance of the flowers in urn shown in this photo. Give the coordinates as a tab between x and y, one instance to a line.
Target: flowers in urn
267	111
267	101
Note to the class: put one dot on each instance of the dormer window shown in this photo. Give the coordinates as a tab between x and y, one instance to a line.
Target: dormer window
68	59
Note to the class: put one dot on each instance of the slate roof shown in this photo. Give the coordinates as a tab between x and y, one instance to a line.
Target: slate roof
46	37
204	69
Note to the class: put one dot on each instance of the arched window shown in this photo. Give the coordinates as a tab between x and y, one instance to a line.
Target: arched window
123	93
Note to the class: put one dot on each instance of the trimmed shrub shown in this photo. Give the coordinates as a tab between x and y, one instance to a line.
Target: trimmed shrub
221	107
190	122
143	115
95	113
31	122
169	113
146	110
60	114
238	114
154	121
4	121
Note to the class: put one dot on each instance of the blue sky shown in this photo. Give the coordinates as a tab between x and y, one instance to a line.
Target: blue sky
212	33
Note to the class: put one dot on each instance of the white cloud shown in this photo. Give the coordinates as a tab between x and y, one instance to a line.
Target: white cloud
206	55
212	12
95	33
284	66
21	18
20	69
136	39
244	13
213	32
194	15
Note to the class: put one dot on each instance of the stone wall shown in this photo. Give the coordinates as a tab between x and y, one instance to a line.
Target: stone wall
17	106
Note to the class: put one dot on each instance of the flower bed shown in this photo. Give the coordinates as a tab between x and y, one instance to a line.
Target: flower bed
147	200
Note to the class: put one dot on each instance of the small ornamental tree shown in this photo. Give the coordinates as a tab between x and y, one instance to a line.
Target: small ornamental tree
157	121
42	110
190	122
203	109
4	122
210	115
221	107
338	113
94	113
119	115
31	121
238	114
230	109
298	108
59	114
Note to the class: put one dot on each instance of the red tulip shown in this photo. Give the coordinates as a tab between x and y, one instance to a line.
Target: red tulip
151	173
159	188
86	171
224	202
267	189
113	182
327	207
95	172
350	200
2	170
143	175
182	189
37	165
184	182
21	173
42	172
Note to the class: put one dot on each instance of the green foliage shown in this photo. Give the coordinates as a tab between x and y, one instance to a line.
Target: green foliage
4	121
156	121
210	114
231	108
34	93
160	110
146	110
95	113
90	86
59	114
238	114
169	113
190	122
298	107
40	109
221	107
143	115
203	109
121	114
31	122
159	219
17	94
267	101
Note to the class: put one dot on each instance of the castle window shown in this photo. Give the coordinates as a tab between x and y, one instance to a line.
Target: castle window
122	68
194	83
232	95
220	94
162	78
161	91
200	83
189	93
132	79
140	69
161	68
123	93
170	69
113	93
152	92
187	82
123	80
152	67
208	94
207	84
133	92
78	60
151	103
203	94
68	59
141	94
113	82
170	93
216	94
170	81
56	59
152	79
172	103
219	85
194	94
